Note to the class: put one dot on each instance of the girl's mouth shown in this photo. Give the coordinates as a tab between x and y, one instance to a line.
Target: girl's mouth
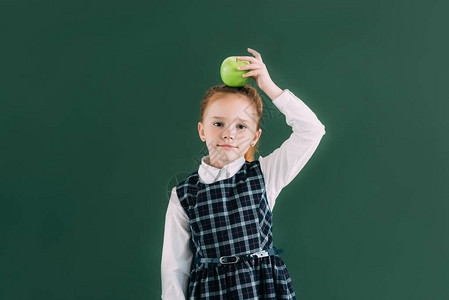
227	146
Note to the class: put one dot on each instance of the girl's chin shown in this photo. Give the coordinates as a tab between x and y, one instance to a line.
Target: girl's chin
226	155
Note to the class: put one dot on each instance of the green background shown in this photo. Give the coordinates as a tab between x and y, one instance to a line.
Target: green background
99	104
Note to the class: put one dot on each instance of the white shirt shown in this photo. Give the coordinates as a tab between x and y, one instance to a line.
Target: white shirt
278	168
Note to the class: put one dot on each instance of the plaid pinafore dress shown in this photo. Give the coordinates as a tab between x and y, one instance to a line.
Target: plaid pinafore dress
232	217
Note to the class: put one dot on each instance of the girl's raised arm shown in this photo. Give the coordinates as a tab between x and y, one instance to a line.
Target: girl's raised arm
283	164
176	253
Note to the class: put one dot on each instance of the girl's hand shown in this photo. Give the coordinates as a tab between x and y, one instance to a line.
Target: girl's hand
259	71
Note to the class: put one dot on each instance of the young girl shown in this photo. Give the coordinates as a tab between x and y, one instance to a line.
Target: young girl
218	227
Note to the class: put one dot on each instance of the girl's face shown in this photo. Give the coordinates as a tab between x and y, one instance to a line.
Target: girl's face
229	120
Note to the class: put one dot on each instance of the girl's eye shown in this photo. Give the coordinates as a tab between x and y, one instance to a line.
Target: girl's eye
242	126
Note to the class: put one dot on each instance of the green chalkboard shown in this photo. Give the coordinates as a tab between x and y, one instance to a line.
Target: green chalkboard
99	105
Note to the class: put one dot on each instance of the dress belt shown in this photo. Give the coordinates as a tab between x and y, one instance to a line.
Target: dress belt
224	260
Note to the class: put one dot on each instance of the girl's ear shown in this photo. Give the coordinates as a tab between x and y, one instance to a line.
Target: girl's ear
256	138
200	130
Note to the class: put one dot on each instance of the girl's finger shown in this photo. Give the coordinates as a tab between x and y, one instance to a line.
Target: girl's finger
255	53
247	58
251	73
249	66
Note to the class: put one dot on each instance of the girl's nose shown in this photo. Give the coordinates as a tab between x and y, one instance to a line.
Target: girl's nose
227	133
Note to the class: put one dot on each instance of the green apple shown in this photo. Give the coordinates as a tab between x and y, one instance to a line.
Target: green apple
229	73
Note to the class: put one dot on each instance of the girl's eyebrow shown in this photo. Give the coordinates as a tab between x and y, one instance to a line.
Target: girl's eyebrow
217	117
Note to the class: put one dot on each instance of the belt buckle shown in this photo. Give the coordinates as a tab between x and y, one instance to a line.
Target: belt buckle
260	254
232	262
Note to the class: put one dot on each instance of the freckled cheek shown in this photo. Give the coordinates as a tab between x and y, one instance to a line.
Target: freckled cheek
248	138
243	139
216	131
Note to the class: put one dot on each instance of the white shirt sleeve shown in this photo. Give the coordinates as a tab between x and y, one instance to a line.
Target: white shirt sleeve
176	253
283	164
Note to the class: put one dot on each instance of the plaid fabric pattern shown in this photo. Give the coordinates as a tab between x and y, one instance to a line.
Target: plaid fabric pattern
232	217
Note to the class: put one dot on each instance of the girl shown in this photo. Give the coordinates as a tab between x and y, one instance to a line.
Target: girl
218	227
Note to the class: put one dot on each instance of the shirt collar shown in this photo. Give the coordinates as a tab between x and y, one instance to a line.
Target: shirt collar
209	174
